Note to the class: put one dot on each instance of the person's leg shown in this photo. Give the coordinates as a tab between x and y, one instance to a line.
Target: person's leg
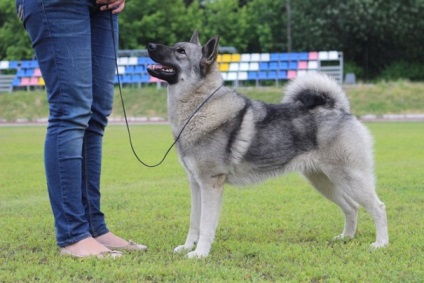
103	73
61	37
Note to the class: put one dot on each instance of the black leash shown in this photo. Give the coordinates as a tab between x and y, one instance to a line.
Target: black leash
125	113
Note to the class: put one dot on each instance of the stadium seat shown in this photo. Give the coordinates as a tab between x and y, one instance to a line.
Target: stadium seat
273	66
37	72
242	76
16	82
292	65
25	82
333	55
291	74
323	55
121	70
132	61
262	75
20	73
254	66
313	56
272	75
263	66
122	61
226	58
302	65
301	73
252	76
284	65
4	65
129	69
245	57
224	67
33	81
231	76
234	67
244	66
255	57
235	57
282	75
304	56
13	65
264	57
312	65
274	57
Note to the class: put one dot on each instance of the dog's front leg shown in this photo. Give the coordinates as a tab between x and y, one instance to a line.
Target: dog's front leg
194	230
211	203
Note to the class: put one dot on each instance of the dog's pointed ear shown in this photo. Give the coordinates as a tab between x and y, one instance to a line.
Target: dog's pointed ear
195	38
210	50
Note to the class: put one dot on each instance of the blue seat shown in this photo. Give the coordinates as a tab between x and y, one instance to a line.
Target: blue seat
303	56
29	72
284	56
13	64
274	57
140	69
126	79
16	82
20	73
262	75
129	70
281	75
25	64
145	78
136	78
284	65
273	66
252	76
292	65
263	66
272	75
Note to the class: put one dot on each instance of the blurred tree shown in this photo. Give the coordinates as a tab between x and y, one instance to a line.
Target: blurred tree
373	34
14	42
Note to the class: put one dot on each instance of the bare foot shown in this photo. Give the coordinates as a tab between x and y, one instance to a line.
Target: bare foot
87	247
111	240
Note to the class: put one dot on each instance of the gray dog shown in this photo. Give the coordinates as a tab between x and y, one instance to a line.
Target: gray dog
232	139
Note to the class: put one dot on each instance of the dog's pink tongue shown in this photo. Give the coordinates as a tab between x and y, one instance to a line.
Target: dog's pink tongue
156	66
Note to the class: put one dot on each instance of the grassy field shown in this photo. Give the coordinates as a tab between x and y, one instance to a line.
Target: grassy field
279	231
400	97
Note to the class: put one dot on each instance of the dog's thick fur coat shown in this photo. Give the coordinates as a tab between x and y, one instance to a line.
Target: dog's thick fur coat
233	139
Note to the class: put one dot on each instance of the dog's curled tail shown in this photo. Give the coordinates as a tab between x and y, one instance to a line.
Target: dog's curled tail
316	89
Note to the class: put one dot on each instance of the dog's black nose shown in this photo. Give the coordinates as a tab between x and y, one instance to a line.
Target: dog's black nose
151	46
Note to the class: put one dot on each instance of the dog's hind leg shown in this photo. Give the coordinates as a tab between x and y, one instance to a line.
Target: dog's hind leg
195	212
348	206
211	202
357	186
360	186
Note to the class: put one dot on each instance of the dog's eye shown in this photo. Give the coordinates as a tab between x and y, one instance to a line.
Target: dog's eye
181	51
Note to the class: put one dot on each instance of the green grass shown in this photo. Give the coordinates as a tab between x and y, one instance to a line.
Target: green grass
400	97
279	231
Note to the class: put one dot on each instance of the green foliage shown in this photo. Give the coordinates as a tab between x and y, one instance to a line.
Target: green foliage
373	34
14	42
279	231
403	70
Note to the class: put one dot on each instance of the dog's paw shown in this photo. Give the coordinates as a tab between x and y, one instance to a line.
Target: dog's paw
342	238
376	245
183	248
196	255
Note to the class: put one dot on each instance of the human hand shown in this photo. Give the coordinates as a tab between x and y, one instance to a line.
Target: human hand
116	6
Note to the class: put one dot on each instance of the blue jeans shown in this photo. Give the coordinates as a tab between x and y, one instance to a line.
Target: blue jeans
73	43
